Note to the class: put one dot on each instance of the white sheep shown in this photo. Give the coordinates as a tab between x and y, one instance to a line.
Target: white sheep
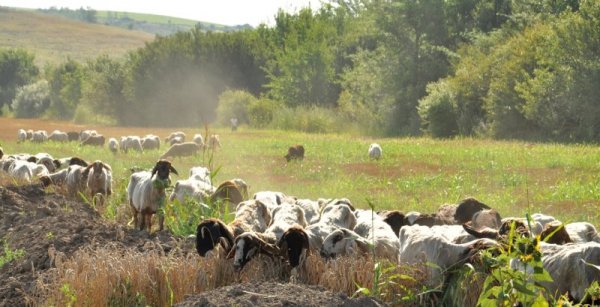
333	217
176	134
581	232
420	245
39	136
146	194
113	145
375	151
311	210
21	135
131	142
270	198
150	141
99	179
198	139
193	189
76	180
200	173
27	171
58	136
181	150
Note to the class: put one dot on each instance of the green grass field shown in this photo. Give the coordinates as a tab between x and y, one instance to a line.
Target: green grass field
414	174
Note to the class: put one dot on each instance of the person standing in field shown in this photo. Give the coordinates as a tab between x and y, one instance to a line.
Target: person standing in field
234	123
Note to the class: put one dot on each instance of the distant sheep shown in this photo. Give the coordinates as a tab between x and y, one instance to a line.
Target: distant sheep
181	150
176	140
94	140
146	194
198	139
214	142
375	151
131	142
21	135
295	152
39	136
73	136
113	145
176	134
150	141
85	134
58	136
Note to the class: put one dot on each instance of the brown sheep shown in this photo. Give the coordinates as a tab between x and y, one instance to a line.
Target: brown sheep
181	150
95	140
295	152
559	234
73	136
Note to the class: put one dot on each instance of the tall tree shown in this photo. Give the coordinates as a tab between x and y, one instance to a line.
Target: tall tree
17	69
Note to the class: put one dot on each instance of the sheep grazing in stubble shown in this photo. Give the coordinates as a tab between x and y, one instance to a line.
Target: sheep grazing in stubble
94	140
295	152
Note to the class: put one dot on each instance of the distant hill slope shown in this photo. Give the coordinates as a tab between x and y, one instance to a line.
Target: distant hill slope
53	39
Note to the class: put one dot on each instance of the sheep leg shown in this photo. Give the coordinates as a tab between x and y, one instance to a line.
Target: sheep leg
149	221
142	221
135	214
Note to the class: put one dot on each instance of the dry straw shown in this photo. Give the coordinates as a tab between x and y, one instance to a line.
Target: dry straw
109	276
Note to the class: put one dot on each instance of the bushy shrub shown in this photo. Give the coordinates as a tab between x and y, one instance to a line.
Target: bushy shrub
308	119
261	111
234	103
85	114
438	116
31	100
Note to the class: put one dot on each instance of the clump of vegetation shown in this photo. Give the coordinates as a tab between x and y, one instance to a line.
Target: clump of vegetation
9	254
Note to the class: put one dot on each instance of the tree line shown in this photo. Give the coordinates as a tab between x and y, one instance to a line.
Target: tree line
525	69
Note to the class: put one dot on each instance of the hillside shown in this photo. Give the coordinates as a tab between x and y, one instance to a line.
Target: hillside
53	39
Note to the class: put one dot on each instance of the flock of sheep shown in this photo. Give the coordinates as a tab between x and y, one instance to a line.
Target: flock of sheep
278	225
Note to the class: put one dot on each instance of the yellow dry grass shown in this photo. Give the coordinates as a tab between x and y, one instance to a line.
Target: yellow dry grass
54	39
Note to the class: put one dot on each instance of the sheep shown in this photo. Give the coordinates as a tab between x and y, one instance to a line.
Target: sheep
65	162
73	136
555	233
229	192
113	145
85	134
21	135
39	136
487	218
311	210
375	151
196	190
58	178
179	134
520	228
200	173
131	142
198	139
146	193
419	244
58	136
395	219
99	178
281	236
29	134
250	216
214	142
181	150
94	140
26	171
295	152
334	216
76	180
370	229
176	140
467	208
50	163
150	141
270	198
581	232
335	201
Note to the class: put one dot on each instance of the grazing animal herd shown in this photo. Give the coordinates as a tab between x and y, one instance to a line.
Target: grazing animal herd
291	228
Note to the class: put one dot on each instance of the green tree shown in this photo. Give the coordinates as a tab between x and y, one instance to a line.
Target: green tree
17	69
103	88
65	82
32	100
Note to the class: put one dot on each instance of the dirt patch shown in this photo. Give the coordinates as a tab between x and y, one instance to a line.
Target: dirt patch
274	294
43	225
376	170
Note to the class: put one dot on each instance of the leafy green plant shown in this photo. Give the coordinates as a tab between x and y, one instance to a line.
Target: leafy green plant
8	254
515	274
68	291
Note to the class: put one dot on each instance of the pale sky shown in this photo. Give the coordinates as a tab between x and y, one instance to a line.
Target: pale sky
227	12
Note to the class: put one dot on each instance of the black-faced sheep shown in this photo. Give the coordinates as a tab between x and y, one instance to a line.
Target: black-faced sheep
295	152
146	193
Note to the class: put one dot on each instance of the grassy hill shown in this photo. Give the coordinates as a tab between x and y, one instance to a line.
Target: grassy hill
53	38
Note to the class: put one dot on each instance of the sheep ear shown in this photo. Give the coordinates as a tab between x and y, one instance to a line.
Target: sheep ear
86	170
173	170
106	167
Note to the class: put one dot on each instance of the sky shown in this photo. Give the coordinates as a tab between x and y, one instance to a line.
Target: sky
226	12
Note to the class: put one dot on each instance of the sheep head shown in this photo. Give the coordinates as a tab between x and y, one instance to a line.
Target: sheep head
395	219
162	169
246	246
340	242
209	233
78	161
555	233
294	245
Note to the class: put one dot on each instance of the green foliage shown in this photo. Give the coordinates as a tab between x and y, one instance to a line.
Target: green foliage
8	254
17	69
123	294
69	293
437	113
234	103
310	119
103	91
262	111
31	100
65	89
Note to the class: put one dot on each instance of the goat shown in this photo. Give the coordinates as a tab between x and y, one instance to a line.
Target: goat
295	152
146	194
375	151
